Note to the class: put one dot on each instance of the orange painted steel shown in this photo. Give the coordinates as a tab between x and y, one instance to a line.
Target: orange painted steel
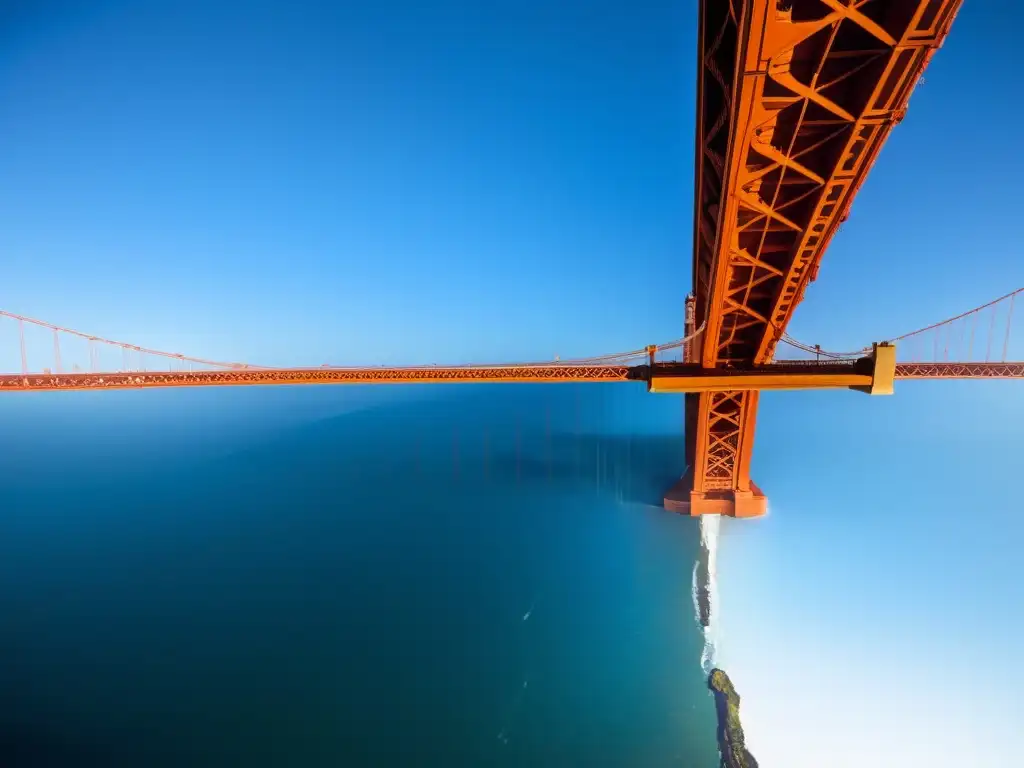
285	376
794	101
779	375
814	376
959	371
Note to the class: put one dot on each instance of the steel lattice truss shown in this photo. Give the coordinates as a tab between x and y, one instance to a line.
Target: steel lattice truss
725	423
727	409
143	379
795	99
960	370
822	84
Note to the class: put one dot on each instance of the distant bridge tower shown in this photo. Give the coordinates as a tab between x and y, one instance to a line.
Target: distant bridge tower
688	328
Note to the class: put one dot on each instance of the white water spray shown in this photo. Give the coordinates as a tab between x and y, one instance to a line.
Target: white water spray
705	589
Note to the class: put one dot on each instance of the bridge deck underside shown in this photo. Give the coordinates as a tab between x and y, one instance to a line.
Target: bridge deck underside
795	99
285	376
693	377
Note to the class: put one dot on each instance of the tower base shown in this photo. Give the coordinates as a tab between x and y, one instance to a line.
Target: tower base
683	499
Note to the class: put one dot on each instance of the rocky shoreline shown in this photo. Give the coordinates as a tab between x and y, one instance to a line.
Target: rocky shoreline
730	732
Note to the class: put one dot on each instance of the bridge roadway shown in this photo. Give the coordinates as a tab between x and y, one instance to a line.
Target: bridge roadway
662	377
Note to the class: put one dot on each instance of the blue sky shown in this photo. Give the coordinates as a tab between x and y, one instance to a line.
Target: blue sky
297	183
404	182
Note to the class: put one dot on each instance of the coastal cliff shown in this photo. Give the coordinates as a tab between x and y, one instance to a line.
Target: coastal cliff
730	733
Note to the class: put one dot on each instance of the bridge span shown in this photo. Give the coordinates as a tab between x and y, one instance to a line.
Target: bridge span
795	100
662	377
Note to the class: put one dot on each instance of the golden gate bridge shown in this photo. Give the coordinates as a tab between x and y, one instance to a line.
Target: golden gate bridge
795	99
971	345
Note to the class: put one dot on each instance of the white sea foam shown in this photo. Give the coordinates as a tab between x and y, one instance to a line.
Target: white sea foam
710	526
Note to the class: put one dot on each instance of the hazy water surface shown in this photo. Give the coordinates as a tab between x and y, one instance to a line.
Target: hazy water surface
309	576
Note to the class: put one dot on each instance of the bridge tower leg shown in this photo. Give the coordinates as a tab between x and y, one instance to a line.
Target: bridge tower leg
719	440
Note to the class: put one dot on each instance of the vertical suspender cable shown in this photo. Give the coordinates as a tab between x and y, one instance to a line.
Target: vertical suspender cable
1009	318
21	338
991	332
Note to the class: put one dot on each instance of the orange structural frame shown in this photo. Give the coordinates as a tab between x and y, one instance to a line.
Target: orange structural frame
861	375
324	375
794	101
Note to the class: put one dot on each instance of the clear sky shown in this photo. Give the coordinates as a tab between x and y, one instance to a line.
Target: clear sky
401	182
388	182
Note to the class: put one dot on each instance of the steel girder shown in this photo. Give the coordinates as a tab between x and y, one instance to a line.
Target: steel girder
960	370
272	376
794	101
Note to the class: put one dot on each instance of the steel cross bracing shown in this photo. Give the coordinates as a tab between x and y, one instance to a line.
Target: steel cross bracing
795	99
960	370
272	376
790	375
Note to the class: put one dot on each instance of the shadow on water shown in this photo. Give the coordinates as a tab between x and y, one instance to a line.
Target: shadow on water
23	744
481	580
455	445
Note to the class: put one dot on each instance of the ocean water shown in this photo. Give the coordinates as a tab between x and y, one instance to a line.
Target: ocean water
873	617
363	576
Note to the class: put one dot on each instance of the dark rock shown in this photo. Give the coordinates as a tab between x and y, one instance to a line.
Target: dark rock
730	733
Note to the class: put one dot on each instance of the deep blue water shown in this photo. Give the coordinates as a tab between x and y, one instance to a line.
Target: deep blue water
331	576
